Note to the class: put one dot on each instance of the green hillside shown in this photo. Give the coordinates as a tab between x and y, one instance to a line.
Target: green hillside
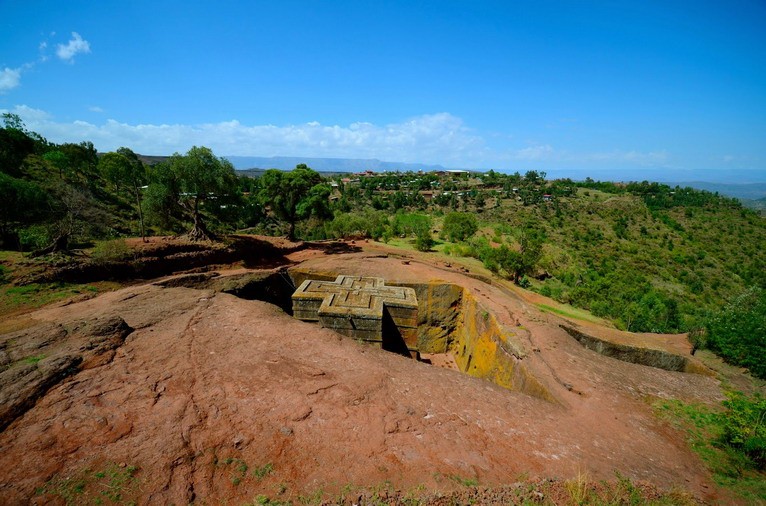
651	257
653	268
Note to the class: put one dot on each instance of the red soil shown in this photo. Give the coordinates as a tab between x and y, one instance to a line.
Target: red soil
207	377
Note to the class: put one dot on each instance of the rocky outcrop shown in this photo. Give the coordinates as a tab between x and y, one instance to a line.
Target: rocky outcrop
635	354
34	360
217	399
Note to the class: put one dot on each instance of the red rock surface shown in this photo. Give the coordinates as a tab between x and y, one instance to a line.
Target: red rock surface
207	382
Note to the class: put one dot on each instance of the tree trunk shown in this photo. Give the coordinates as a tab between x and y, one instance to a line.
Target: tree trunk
60	243
291	231
140	213
198	231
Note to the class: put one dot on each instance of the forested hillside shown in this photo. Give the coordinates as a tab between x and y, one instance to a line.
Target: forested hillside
645	255
59	197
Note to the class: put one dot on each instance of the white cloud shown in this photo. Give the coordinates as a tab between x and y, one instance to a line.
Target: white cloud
95	108
9	79
30	115
75	46
537	152
434	138
42	48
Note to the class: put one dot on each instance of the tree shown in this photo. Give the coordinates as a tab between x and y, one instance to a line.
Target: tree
78	216
59	161
295	195
124	168
511	261
16	143
459	226
22	203
480	201
161	197
83	162
521	262
423	239
190	183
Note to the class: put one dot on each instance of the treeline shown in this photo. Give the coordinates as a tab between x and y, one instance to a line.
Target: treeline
57	197
661	196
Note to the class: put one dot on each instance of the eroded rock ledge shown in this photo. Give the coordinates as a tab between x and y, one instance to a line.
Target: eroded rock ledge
34	360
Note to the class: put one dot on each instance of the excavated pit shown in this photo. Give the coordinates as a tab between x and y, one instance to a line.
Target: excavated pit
453	328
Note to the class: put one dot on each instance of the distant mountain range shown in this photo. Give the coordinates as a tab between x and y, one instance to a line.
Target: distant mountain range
327	164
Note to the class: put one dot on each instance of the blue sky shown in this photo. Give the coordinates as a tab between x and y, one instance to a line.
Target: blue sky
615	90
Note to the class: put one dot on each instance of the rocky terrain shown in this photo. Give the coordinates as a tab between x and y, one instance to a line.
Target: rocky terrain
200	388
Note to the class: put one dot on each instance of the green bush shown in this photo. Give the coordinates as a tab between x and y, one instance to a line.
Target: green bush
34	238
411	224
459	226
744	427
372	224
738	331
110	251
424	241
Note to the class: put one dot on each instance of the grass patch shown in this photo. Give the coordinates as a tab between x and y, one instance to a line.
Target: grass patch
570	312
580	490
34	359
35	295
264	500
704	427
115	250
113	484
263	471
238	469
466	482
406	243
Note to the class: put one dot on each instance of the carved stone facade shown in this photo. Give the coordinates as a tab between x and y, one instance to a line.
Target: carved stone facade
362	308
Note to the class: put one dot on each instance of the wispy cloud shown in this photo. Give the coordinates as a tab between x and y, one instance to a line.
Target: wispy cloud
9	79
75	46
95	108
431	138
536	152
42	48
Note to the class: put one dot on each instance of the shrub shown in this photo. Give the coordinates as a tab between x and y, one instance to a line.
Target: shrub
744	427
34	238
737	332
411	224
459	226
372	224
424	241
110	251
